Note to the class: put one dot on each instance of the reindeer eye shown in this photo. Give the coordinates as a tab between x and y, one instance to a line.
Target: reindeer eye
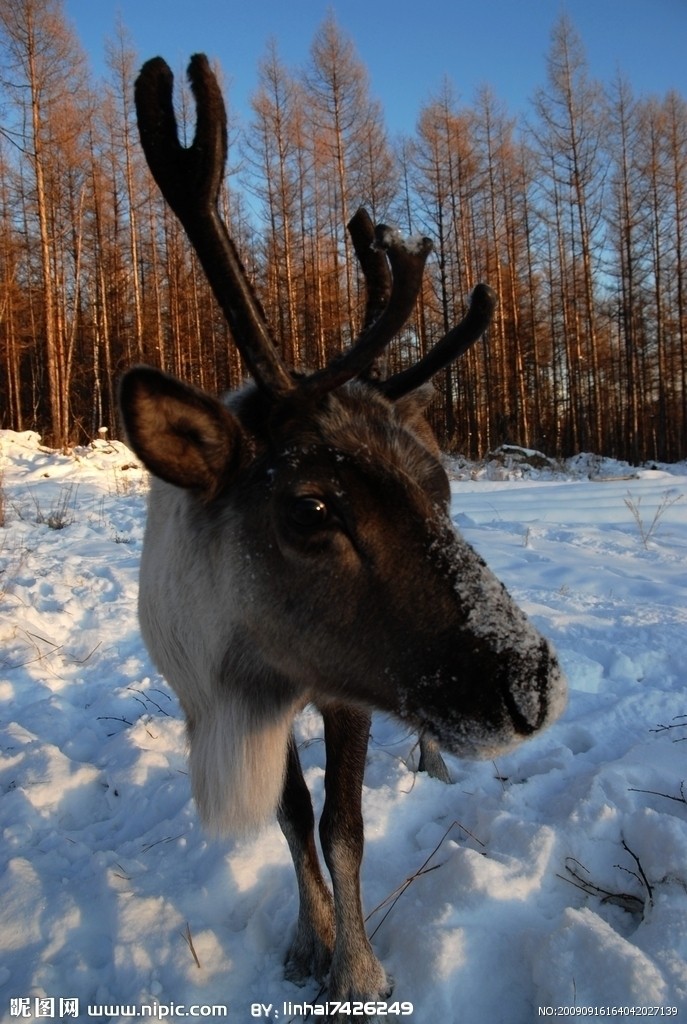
308	512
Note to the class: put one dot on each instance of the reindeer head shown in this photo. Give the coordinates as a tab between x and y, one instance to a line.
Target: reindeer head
309	515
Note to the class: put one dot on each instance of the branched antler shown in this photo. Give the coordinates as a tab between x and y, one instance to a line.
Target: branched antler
449	348
190	179
407	266
373	263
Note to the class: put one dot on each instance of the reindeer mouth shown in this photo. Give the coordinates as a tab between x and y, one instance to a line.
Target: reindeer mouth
526	697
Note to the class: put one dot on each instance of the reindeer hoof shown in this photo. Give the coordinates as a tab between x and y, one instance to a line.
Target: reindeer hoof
306	960
365	981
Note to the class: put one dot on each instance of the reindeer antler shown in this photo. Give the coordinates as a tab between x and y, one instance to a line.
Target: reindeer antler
378	283
445	351
190	180
374	265
407	265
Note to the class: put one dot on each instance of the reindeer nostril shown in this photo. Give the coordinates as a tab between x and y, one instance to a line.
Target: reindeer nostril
526	715
527	694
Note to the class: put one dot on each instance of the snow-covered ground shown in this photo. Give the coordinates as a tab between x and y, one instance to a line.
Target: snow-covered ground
554	878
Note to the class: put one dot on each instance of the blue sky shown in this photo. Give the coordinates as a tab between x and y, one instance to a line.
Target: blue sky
408	46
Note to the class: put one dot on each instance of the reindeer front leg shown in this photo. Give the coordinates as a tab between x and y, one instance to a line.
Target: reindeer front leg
311	950
355	974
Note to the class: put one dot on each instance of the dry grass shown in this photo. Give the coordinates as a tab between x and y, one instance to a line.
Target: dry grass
647	527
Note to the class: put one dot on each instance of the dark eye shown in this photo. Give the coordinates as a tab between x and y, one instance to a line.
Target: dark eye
308	512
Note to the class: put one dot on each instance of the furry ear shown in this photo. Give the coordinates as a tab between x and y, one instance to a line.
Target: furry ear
411	408
181	434
414	403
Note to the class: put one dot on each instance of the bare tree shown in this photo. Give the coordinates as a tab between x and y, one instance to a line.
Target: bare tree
44	77
568	137
122	62
625	218
271	143
675	166
343	119
445	174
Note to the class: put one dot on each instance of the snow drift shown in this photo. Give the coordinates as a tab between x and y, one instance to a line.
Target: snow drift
555	877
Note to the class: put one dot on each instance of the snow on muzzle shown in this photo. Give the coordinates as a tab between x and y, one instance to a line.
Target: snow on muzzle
489	702
496	680
535	696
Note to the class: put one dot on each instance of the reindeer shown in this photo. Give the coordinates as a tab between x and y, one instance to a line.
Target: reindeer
299	548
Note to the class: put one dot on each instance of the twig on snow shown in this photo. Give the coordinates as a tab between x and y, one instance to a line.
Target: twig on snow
632	904
641	876
187	937
681	799
679	722
394	896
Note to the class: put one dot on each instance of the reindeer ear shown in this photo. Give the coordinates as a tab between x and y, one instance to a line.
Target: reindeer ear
412	407
181	434
414	403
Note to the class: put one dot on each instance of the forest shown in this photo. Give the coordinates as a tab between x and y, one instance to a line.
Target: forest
576	216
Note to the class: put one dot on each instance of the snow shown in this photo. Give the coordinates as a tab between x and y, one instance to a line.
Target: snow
555	877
